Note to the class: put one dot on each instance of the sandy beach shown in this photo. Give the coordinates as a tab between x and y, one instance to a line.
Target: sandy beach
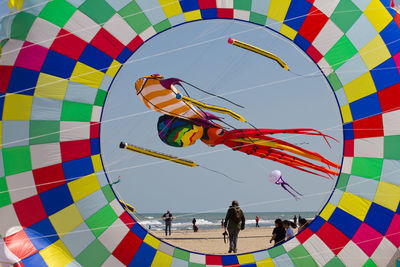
211	241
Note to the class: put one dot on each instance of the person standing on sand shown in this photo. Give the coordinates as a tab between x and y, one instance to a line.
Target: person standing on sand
167	218
278	235
234	222
257	219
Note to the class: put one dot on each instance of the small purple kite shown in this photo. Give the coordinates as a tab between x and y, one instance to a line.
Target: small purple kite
276	178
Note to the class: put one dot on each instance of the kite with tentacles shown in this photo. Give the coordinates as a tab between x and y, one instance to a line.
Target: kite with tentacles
275	177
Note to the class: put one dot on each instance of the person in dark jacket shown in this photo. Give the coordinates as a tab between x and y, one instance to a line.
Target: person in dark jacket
234	222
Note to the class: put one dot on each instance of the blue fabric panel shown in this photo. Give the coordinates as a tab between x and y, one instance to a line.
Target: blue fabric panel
34	260
15	133
365	107
77	168
189	5
56	199
95	146
398	209
125	54
42	234
229	259
144	256
391	37
345	222
316	224
138	230
22	81
210	13
46	109
2	95
301	42
296	15
77	92
58	65
385	75
348	131
95	58
379	218
76	243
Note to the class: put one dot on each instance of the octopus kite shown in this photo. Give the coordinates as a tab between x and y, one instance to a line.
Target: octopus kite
184	122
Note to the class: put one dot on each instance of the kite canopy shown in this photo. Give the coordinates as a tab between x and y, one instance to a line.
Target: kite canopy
53	188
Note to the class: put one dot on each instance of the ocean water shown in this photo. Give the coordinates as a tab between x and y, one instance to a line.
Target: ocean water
183	221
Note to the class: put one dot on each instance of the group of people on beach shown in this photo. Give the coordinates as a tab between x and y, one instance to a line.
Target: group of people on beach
284	229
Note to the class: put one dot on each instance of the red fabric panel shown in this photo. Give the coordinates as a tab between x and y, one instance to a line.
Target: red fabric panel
20	245
314	53
313	24
127	248
5	75
392	232
75	150
332	237
213	260
135	43
204	4
107	43
304	235
68	44
127	219
368	127
30	211
348	148
397	19
49	177
94	130
389	98
225	13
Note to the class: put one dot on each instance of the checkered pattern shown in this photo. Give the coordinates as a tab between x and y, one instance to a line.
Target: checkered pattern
54	76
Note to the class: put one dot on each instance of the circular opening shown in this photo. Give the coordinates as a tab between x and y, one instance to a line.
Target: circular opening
273	98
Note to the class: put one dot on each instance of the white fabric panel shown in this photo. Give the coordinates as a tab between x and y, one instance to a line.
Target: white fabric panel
8	219
369	147
324	66
113	235
327	37
241	14
45	155
112	262
326	7
347	164
21	186
10	52
322	254
78	239
121	30
382	254
292	243
82	26
352	255
224	3
74	130
148	33
96	114
117	207
166	248
46	109
15	133
391	123
42	33
197	258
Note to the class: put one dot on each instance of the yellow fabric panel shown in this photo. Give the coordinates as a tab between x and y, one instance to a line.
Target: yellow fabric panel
192	15
15	4
375	52
97	165
327	211
346	113
161	259
360	87
387	195
246	258
66	220
152	241
354	205
86	75
83	187
17	107
278	9
113	69
288	32
171	7
378	15
265	263
49	86
56	254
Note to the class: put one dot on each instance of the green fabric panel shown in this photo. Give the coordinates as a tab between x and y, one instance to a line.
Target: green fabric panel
242	4
98	10
16	160
342	182
73	111
276	251
100	98
257	18
342	16
94	255
367	167
135	17
335	262
181	254
101	220
57	12
4	195
21	25
43	132
392	147
369	263
161	26
108	193
334	81
301	257
340	52
193	264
